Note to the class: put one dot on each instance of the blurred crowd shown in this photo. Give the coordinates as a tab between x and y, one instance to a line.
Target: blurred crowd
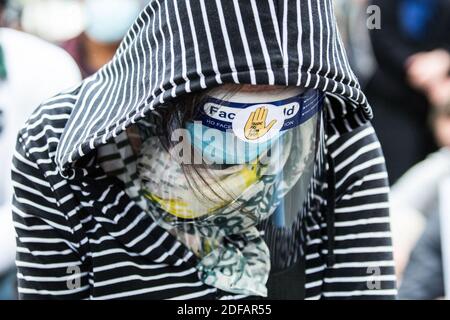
403	62
47	46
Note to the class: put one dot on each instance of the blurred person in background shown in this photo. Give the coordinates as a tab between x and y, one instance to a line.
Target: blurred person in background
412	51
420	189
414	197
106	23
417	210
31	70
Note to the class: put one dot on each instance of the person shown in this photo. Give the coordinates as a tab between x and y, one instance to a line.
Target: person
420	189
31	70
412	49
107	22
414	197
211	158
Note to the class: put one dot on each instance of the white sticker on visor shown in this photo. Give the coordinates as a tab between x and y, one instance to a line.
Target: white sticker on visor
260	122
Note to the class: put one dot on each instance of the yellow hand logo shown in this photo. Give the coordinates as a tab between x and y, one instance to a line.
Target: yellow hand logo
255	127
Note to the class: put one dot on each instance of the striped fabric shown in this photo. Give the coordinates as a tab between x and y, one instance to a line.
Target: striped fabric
81	236
189	45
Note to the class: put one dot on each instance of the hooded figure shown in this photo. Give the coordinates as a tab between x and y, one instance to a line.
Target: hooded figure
298	208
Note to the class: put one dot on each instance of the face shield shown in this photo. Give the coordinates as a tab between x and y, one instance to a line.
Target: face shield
240	160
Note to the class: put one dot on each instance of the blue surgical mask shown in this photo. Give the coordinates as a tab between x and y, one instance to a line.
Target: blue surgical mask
220	147
107	21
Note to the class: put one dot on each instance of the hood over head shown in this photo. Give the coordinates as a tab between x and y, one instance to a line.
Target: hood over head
183	46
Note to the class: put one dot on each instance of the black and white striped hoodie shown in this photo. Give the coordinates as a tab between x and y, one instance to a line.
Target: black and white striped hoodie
81	236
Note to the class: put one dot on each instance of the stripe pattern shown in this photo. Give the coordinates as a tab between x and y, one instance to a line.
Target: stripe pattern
88	239
81	236
183	46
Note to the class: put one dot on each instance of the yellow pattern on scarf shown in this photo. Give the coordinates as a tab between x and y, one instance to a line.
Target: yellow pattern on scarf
238	182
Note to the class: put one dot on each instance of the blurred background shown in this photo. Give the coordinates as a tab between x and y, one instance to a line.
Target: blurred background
399	49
